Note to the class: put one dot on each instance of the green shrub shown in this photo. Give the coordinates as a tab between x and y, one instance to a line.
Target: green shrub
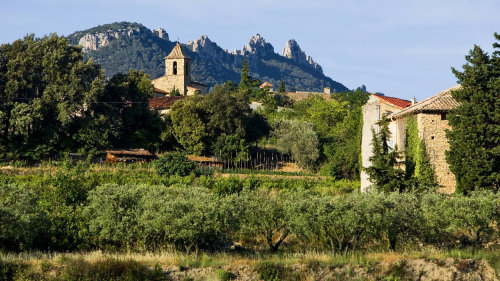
109	269
223	275
269	271
174	163
227	186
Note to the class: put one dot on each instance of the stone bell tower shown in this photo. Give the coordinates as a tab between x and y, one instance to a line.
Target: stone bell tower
178	74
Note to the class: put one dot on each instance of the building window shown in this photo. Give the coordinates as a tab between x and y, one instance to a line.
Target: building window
443	116
175	68
187	69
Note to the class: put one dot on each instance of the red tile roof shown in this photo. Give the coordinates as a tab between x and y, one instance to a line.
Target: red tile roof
156	90
394	101
160	103
266	84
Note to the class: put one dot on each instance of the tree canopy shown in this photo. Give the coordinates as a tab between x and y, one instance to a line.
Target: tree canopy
474	138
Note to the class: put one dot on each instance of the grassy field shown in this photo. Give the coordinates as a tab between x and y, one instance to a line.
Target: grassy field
173	265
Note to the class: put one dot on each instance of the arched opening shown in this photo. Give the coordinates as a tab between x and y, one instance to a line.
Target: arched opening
175	68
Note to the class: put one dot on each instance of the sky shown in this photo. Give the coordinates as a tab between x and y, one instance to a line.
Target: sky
401	48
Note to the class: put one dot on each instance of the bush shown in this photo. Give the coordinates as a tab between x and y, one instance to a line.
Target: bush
109	269
223	275
269	271
174	163
21	220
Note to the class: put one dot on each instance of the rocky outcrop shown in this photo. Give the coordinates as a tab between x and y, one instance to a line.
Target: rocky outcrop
257	45
205	47
94	41
160	32
292	51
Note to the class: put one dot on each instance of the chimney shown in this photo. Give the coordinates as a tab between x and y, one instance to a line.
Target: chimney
413	101
326	90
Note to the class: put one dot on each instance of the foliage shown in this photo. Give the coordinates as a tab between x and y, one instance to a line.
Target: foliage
187	217
267	215
45	87
474	154
174	163
125	100
419	172
299	140
109	269
384	172
20	218
223	275
221	124
113	213
188	123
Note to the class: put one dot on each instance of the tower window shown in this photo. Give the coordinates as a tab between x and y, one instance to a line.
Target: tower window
175	68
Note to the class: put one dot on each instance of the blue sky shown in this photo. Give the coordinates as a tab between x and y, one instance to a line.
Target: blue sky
401	48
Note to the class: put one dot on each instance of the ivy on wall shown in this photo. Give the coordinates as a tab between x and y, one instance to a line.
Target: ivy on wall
419	171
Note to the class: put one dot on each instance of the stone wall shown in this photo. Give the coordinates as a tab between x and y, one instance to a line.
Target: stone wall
431	129
169	80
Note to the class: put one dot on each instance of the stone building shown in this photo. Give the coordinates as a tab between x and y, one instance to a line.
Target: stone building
377	107
178	75
430	115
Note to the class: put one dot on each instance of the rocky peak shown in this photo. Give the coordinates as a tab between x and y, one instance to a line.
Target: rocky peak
293	51
257	45
96	40
160	32
204	46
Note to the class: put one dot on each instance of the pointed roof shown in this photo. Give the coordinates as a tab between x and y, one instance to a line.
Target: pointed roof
177	53
266	84
394	101
441	102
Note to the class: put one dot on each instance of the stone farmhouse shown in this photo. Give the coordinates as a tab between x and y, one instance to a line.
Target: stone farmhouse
430	115
178	75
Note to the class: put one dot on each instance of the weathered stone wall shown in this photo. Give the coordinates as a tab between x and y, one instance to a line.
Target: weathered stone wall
431	129
170	80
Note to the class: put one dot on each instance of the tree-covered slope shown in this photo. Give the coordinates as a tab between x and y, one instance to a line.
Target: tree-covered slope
121	46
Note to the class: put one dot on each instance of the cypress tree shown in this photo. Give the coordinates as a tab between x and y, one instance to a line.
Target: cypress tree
474	154
384	171
282	88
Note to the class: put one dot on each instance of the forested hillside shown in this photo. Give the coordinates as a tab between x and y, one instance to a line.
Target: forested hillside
121	46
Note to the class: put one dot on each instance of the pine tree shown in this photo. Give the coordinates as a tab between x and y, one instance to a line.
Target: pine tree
282	88
474	154
384	171
245	77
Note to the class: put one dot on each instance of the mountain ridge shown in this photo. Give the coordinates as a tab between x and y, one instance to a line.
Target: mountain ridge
123	45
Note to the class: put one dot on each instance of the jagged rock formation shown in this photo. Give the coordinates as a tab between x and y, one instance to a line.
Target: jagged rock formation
293	51
257	45
160	32
94	41
121	46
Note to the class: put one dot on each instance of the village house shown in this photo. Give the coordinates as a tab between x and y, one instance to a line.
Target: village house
430	115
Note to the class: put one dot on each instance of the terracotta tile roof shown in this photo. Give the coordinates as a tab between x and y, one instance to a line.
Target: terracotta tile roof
177	53
156	90
266	84
160	103
394	101
443	101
